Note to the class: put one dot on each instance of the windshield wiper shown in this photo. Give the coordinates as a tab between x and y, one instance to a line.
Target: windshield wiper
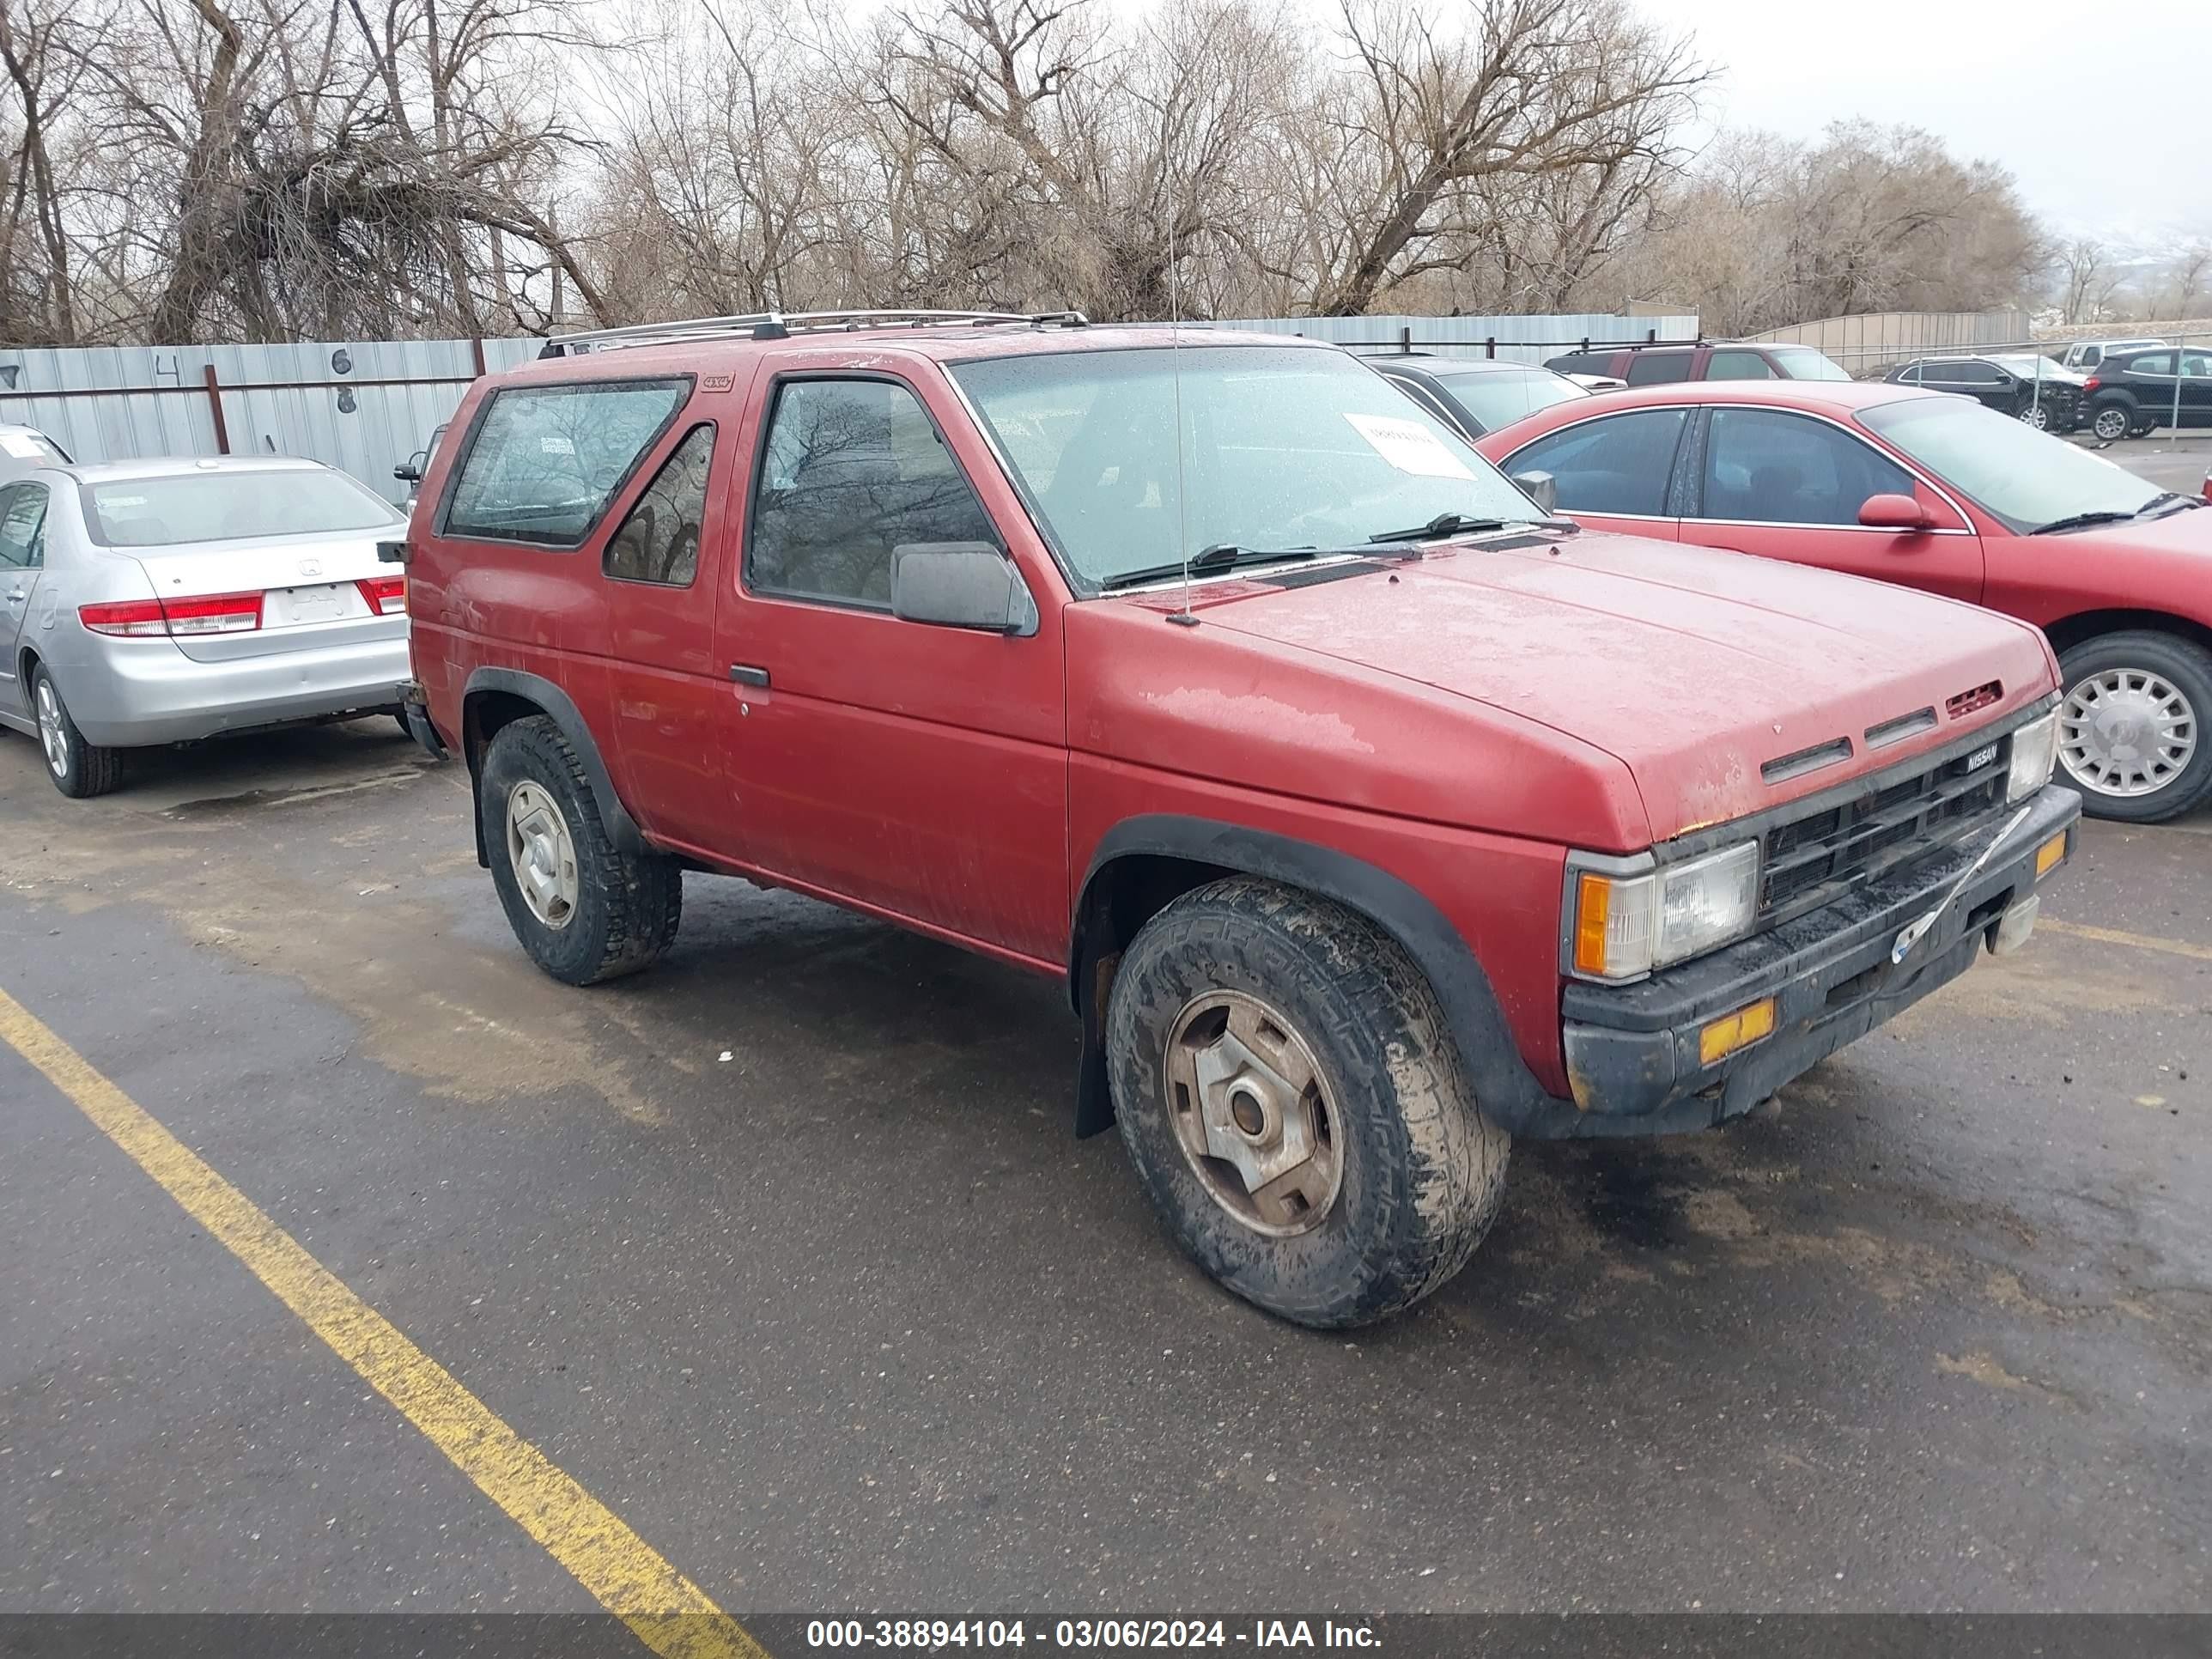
1444	524
2168	502
2080	520
1209	560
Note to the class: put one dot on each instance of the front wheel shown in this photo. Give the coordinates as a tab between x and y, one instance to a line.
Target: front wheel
584	909
2131	732
1295	1106
2037	416
2111	422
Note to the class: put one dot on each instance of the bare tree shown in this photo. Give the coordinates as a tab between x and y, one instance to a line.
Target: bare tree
2084	267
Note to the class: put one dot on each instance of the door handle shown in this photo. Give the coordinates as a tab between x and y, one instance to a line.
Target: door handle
746	674
18	596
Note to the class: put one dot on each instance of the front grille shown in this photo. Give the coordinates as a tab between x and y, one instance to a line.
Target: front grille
1811	859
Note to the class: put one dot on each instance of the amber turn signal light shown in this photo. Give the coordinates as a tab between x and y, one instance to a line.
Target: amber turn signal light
2048	856
1739	1029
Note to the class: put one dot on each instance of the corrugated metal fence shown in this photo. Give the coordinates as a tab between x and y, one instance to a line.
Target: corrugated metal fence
363	406
366	406
1519	339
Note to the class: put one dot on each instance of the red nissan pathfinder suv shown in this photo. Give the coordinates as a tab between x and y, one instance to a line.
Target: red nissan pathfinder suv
1370	816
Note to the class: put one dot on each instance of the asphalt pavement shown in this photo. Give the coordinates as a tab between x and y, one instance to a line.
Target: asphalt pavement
785	1255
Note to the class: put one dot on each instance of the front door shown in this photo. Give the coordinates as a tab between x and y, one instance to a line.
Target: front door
1612	471
23	557
915	770
1789	486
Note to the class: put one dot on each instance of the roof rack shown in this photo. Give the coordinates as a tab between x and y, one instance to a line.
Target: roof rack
782	326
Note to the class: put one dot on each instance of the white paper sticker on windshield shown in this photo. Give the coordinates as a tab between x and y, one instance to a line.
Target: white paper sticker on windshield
1409	447
19	446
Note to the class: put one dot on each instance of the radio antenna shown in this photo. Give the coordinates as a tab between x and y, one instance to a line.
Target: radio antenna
1175	361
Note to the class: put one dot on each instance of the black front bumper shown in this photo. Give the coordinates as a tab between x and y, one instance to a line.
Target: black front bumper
1633	1051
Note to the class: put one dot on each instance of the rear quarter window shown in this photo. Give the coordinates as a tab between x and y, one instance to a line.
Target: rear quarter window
1658	367
545	460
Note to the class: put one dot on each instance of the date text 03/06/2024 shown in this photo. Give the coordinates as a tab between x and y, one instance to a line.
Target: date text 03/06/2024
938	1634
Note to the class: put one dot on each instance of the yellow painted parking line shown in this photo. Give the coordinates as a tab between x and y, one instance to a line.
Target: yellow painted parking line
2172	947
670	1613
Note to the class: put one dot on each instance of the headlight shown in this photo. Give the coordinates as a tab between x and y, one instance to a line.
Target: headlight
2034	750
1625	925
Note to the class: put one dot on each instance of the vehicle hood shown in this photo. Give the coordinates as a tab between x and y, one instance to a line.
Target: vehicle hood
1693	667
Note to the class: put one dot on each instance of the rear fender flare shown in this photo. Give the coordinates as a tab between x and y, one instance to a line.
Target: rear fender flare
557	706
1506	1089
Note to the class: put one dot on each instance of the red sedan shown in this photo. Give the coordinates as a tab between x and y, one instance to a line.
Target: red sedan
1935	492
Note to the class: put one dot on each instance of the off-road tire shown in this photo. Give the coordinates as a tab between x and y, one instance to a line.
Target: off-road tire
1423	1171
629	905
89	770
2188	665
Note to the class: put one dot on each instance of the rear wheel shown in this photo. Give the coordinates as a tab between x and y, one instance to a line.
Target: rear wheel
2131	733
78	768
584	909
2111	422
1295	1106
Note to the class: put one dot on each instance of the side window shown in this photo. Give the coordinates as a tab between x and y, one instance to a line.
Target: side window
546	459
2151	362
1765	466
852	470
2196	365
1657	367
1615	464
658	540
23	526
1738	366
1581	362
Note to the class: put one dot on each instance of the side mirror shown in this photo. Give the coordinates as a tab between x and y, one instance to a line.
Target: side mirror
410	470
961	585
1541	487
1893	512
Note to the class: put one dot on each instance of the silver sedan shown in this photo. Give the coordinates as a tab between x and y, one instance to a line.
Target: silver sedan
157	602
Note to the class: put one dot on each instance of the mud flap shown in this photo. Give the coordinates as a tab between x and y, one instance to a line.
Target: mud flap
1094	1090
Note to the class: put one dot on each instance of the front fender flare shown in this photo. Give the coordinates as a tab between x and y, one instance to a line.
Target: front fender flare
1508	1092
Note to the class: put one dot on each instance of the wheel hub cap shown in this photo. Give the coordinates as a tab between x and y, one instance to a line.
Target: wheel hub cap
51	736
2126	732
543	856
1252	1113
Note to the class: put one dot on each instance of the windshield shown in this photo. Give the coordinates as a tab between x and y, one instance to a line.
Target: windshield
1283	447
1492	398
226	507
2030	366
2026	479
1804	363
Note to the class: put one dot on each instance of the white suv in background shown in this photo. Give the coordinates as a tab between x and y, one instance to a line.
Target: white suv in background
2084	355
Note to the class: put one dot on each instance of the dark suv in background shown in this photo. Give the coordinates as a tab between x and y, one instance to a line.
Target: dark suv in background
1652	365
2133	392
1475	395
2023	384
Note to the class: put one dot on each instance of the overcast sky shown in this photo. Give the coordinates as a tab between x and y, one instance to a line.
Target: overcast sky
2026	83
